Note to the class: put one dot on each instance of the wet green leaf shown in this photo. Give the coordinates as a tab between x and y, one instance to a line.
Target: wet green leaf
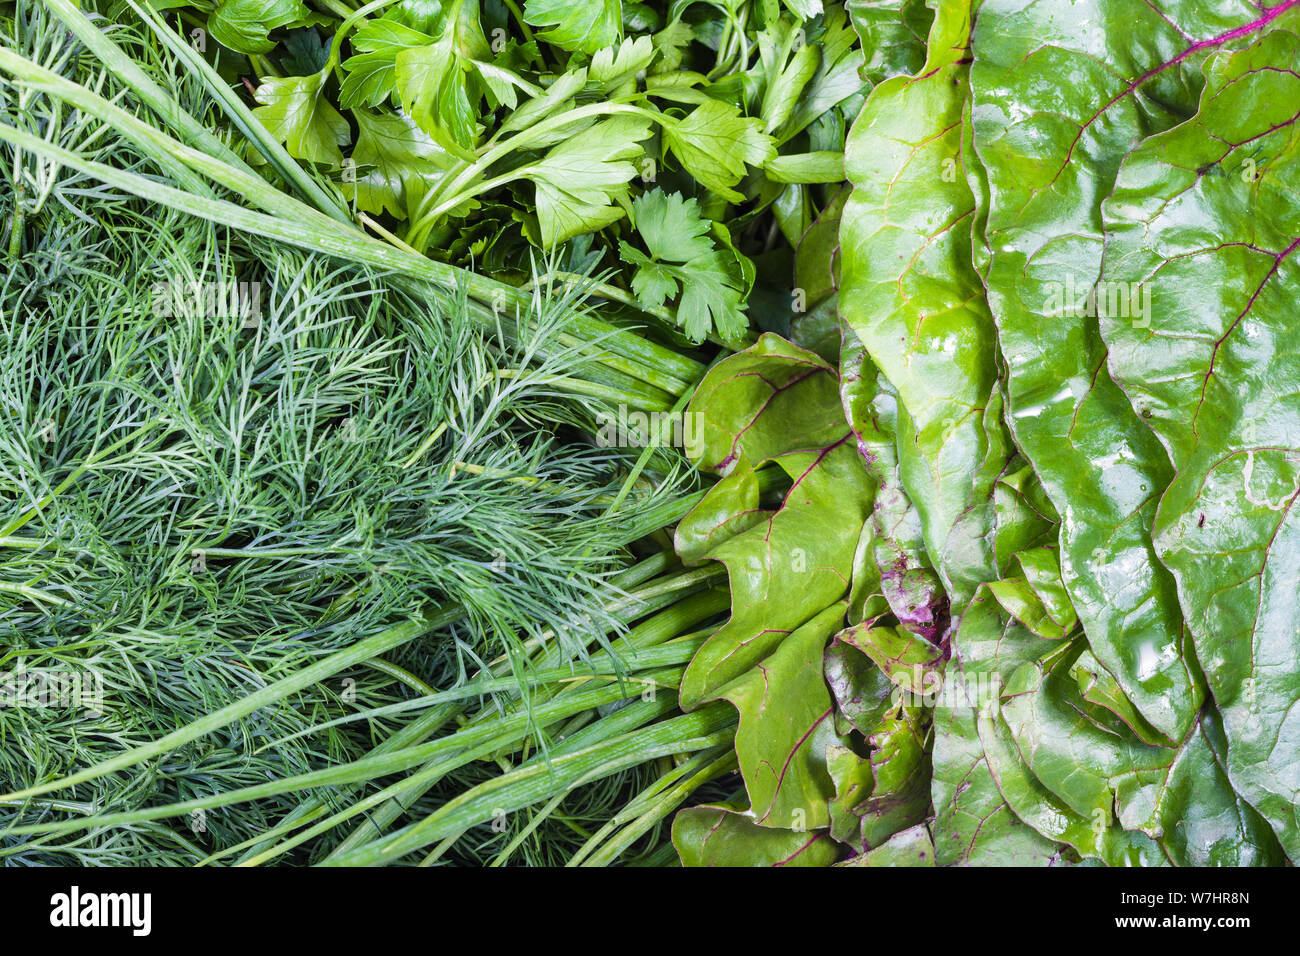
723	836
1051	149
911	294
1203	230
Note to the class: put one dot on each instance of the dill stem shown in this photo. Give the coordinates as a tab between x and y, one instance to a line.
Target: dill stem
16	224
650	806
400	674
428	724
661	627
32	594
709	726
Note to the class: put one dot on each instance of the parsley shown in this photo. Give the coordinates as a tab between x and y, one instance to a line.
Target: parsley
714	142
297	114
683	255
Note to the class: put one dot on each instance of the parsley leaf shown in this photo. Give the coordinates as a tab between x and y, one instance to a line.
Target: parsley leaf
296	113
434	89
672	227
714	142
439	78
396	161
615	65
653	282
579	179
245	25
712	298
580	27
371	72
682	254
671	43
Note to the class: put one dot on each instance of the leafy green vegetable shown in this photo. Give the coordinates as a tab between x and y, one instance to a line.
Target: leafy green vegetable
684	260
391	163
714	142
1013	621
577	179
725	836
911	847
927	328
893	35
245	25
1047	176
1209	371
579	27
784	712
985	554
253	486
796	422
296	113
371	73
743	111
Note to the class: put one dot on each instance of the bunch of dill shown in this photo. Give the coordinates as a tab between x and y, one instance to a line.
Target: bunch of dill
201	494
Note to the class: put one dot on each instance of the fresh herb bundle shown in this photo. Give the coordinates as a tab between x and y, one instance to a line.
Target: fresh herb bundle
686	150
234	473
347	344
